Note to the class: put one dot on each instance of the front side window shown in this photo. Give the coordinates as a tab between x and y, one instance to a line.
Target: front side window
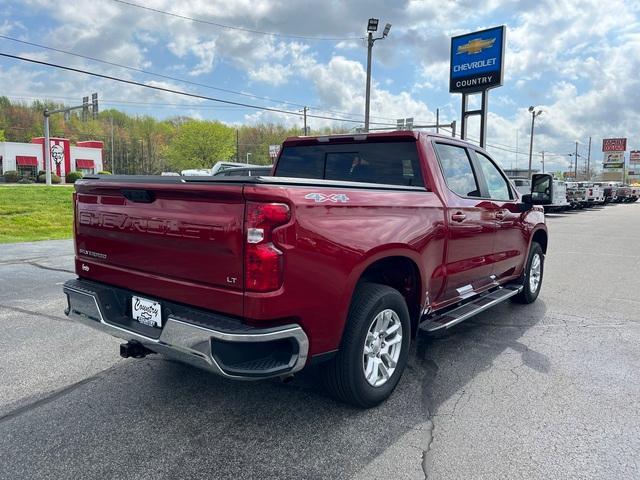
457	170
496	183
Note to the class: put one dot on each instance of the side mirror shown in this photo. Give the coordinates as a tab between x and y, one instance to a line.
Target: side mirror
541	185
526	204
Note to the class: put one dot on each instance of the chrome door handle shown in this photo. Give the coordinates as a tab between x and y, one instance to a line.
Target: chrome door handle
458	217
500	214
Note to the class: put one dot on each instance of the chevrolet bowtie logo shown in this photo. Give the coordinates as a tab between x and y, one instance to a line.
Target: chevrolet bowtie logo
476	45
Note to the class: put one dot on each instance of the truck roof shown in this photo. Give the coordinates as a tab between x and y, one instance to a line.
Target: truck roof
359	137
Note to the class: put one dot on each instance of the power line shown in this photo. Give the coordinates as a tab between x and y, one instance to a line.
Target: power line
179	92
233	27
147	72
177	79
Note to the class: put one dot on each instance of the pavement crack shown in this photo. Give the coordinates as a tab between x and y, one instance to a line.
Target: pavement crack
425	453
56	394
44	267
36	314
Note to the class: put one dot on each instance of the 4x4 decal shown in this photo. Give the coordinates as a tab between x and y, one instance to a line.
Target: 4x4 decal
322	197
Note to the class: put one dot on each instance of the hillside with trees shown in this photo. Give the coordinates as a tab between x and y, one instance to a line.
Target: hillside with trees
146	145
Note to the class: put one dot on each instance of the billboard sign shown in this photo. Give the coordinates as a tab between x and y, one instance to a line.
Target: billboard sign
614	144
613	160
477	60
634	157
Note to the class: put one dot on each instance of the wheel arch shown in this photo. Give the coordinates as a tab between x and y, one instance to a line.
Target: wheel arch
541	237
398	268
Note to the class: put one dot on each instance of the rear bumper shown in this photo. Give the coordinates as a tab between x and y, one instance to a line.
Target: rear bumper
222	345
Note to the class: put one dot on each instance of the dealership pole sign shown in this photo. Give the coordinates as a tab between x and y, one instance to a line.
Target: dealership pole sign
477	61
613	153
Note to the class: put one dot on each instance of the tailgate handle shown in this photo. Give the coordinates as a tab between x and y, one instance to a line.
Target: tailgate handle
139	196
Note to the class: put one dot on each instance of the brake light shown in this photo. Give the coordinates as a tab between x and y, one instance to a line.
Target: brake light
263	262
591	191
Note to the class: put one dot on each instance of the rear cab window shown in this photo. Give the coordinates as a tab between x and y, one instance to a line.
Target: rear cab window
387	163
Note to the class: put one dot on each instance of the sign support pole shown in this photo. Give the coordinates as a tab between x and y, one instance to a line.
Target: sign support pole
482	111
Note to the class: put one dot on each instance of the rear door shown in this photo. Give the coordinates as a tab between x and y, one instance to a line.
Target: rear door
511	244
471	224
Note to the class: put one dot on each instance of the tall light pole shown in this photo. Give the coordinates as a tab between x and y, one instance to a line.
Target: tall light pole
534	114
372	26
575	156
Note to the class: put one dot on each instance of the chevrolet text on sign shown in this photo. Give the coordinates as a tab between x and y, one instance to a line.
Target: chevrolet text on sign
476	61
614	144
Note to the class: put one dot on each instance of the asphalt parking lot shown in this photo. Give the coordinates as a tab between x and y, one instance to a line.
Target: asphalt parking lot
549	390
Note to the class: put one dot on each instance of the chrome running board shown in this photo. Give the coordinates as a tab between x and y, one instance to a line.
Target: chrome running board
478	304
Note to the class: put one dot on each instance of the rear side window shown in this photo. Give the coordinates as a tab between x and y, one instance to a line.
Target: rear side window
389	163
457	170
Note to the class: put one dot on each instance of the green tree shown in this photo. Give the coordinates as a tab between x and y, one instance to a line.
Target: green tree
2	136
200	144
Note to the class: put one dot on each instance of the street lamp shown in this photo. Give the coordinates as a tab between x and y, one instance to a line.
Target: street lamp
534	114
372	27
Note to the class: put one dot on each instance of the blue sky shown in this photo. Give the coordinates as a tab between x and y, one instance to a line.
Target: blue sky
576	60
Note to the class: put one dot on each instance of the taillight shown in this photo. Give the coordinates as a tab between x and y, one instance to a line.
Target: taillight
263	262
590	191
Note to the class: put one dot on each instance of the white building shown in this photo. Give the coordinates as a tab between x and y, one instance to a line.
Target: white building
28	158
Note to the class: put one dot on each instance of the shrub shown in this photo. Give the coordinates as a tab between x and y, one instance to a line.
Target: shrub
104	172
26	180
11	176
72	177
42	178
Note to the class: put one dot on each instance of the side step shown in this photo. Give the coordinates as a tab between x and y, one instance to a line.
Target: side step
478	304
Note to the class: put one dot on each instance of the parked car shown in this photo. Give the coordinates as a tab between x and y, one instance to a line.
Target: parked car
558	200
196	172
576	195
356	244
222	166
594	193
246	171
609	190
623	194
523	185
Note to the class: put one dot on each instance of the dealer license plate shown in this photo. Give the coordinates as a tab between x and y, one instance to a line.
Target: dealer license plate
146	311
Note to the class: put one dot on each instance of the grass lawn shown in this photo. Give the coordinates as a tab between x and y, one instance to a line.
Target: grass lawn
35	212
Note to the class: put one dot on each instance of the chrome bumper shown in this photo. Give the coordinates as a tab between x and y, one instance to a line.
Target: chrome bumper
190	343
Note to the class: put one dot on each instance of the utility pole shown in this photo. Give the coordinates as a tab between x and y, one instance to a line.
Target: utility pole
534	114
576	165
372	26
237	146
542	160
304	110
517	153
589	161
437	120
113	168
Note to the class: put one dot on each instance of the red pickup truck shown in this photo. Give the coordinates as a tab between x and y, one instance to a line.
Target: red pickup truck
352	246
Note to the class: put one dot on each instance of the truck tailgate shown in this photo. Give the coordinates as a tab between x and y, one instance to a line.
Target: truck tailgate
181	242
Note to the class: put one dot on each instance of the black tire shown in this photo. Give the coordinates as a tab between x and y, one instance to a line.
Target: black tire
528	295
344	375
